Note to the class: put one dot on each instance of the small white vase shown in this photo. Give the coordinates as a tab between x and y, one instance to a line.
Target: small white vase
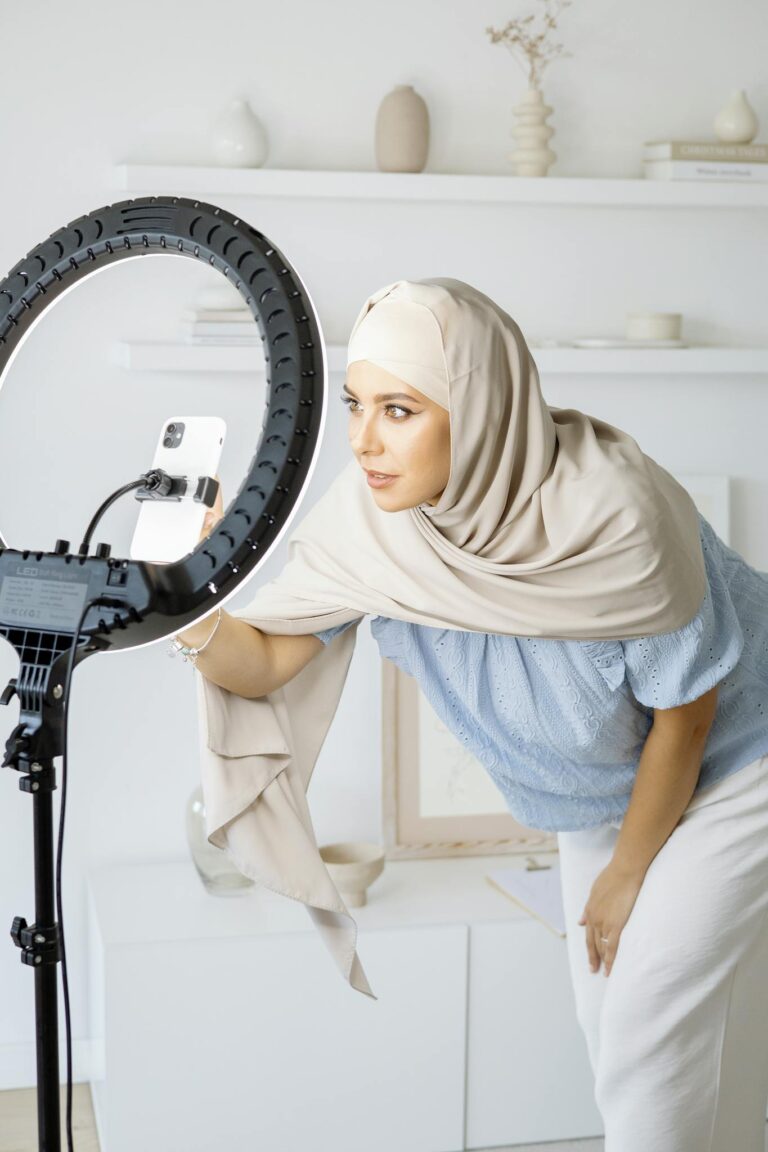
736	122
401	138
239	137
531	156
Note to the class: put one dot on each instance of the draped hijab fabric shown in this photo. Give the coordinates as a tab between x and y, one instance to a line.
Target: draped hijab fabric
553	523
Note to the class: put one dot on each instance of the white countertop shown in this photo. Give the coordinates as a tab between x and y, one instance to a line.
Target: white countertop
167	901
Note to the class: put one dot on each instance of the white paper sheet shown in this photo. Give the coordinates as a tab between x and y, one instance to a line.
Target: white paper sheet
537	891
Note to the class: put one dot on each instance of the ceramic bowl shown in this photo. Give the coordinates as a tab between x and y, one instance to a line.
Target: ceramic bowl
353	866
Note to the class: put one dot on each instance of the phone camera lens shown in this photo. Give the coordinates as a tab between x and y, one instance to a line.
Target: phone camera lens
171	429
168	442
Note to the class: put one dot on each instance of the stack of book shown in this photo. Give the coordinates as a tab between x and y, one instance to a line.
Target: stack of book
704	160
219	326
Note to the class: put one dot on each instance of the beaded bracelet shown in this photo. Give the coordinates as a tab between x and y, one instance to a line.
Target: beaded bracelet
191	654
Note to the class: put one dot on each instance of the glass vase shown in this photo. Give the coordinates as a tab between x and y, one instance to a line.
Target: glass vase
214	867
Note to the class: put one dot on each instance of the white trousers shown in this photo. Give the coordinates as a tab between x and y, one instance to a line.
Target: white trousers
677	1035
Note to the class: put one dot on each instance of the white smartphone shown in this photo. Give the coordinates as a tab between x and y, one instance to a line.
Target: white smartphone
188	446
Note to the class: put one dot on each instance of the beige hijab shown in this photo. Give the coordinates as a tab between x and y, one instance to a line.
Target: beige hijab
552	523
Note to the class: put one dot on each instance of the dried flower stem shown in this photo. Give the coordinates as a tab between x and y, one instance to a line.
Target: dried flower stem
530	45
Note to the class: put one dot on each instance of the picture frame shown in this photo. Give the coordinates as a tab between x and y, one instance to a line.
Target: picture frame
711	493
438	799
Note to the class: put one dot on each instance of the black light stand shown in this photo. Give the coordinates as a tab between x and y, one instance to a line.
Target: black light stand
47	599
31	749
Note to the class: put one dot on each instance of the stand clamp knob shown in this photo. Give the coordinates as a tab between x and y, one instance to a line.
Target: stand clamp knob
16	745
38	945
8	692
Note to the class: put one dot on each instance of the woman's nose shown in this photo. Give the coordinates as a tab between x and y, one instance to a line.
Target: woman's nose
364	433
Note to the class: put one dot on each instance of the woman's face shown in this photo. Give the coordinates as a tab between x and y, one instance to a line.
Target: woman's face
406	435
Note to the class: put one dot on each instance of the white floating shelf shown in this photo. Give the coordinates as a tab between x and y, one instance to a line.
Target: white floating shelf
205	358
278	183
698	361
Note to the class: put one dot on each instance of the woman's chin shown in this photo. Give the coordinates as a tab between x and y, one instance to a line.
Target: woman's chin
388	501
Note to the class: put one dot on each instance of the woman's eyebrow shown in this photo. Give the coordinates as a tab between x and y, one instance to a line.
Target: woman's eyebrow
383	396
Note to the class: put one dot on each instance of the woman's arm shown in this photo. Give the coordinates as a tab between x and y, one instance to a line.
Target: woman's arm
666	778
240	657
245	660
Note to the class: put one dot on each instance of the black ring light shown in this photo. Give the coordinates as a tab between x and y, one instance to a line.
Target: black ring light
294	412
49	600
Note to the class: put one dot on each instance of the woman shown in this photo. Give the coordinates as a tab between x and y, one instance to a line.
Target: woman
580	627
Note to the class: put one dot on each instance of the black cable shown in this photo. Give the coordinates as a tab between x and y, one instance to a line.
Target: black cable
59	851
110	500
154	480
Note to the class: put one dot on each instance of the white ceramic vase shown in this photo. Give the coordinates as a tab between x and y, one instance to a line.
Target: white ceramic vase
531	156
239	137
401	138
736	122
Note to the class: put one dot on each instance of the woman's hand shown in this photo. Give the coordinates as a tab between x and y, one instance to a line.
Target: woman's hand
611	900
213	515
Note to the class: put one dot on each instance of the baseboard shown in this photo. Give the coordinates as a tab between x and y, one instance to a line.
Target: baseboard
18	1064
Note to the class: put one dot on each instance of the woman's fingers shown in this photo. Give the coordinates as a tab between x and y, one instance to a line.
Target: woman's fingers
592	952
603	950
218	504
597	949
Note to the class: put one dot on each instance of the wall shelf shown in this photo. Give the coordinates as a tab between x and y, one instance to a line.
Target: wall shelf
279	183
695	361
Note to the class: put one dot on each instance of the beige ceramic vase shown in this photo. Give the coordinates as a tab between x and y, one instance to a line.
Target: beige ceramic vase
532	155
402	131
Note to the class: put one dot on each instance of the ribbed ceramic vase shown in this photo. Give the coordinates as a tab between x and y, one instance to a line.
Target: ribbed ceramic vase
239	138
736	122
531	156
402	131
219	875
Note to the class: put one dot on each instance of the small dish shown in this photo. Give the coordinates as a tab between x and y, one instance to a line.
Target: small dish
611	342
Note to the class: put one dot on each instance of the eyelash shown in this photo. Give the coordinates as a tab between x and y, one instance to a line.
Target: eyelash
348	400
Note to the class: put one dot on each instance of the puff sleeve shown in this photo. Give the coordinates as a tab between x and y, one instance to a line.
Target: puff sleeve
328	634
678	667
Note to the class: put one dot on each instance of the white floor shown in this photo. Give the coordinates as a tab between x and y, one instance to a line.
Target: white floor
567	1146
18	1126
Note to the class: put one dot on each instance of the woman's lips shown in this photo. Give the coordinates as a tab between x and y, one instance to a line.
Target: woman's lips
378	481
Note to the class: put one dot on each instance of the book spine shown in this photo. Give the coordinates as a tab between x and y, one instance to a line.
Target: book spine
228	341
706	150
214	316
218	328
699	170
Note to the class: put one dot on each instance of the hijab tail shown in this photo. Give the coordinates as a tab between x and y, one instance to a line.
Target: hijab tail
257	758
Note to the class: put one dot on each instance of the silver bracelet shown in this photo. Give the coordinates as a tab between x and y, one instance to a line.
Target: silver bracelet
191	654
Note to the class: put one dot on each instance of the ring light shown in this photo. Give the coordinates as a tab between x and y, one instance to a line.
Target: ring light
160	598
48	600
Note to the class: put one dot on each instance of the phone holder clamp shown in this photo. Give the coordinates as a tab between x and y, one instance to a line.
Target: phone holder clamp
159	485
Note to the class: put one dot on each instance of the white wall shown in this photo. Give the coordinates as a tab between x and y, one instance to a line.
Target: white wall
87	88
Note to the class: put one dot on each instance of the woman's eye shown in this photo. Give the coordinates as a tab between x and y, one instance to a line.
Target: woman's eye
349	401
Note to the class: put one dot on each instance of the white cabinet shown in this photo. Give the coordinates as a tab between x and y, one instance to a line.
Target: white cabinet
224	1021
528	1076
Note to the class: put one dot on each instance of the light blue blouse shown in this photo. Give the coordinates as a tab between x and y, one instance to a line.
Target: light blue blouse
560	724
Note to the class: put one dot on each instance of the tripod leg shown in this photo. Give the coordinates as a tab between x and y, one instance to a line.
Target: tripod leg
46	1003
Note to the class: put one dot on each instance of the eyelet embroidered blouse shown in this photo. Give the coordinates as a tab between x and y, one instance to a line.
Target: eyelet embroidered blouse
560	725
